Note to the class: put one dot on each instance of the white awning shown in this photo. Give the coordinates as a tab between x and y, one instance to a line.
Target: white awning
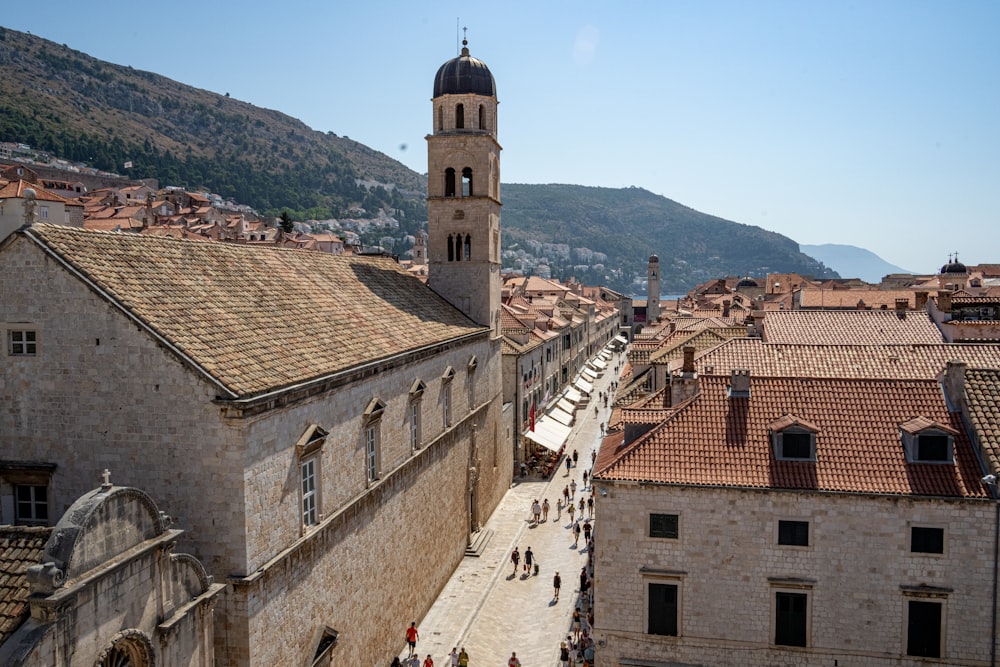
561	416
566	405
620	338
598	364
605	355
584	386
572	395
590	373
549	433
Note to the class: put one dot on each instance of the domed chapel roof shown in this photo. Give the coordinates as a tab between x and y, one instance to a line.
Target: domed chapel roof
464	75
954	266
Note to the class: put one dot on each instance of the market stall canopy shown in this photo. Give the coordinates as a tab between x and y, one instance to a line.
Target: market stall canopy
584	386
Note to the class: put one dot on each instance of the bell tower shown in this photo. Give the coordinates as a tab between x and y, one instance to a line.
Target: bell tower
463	190
653	289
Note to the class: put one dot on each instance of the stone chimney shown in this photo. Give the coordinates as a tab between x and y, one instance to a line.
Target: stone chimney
944	301
726	304
921	300
953	383
901	307
688	366
739	383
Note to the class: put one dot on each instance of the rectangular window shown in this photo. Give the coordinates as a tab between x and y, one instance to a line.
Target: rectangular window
923	629
790	619
933	448
662	610
309	512
21	343
796	445
926	540
32	504
793	533
43	212
446	406
371	452
663	525
415	424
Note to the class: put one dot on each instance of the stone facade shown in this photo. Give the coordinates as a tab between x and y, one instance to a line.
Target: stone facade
858	573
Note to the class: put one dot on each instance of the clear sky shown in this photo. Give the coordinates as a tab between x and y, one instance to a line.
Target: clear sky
873	123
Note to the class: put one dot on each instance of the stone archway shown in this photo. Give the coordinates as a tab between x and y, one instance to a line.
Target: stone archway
129	648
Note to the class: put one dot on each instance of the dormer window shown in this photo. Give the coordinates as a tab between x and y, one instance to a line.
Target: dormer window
793	439
927	441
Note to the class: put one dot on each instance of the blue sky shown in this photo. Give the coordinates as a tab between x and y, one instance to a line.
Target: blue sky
866	123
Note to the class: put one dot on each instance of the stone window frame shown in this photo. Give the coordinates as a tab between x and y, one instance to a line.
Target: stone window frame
793	545
928	526
22	339
18	475
470	377
790	586
416	413
446	405
911	433
924	594
677	525
309	454
372	437
663	577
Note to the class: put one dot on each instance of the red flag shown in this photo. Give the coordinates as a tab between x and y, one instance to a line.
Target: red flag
531	416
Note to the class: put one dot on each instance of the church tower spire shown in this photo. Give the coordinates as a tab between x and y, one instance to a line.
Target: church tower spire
653	289
463	190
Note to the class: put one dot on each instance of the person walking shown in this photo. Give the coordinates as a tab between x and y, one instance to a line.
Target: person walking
515	558
545	510
581	505
513	662
428	661
568	463
412	635
586	529
396	662
556	585
572	490
566	495
577	619
570	509
584	479
536	511
576	456
576	532
529	558
563	655
454	656
463	658
590	506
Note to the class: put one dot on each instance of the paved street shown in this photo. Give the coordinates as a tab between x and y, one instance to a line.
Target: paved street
490	611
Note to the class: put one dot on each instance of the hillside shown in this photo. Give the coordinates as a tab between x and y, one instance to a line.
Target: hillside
76	107
853	262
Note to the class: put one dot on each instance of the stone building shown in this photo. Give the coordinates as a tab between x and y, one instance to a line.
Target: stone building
804	504
299	412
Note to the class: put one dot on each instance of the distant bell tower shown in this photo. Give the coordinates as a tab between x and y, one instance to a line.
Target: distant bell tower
463	190
653	289
420	248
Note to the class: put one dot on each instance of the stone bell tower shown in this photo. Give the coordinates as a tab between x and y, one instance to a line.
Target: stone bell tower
653	289
463	190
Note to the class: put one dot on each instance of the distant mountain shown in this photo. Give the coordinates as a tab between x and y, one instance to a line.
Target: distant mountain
852	262
76	107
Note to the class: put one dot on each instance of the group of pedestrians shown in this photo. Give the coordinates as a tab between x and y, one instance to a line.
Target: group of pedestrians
457	658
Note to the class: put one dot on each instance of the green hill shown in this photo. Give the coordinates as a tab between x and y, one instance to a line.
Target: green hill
76	107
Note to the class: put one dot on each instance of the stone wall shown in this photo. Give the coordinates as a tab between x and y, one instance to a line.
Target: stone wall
858	572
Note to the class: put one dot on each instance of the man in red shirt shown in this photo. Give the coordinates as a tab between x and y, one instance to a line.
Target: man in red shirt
412	636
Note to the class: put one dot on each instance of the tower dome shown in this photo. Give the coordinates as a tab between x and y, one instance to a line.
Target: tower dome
464	75
747	281
653	259
954	266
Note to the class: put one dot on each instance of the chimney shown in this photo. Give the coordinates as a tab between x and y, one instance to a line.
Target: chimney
725	307
688	366
954	385
921	300
739	383
901	307
682	387
944	301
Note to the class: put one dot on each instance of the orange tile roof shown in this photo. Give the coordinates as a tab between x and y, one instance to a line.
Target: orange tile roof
982	389
849	327
20	547
713	440
849	298
256	318
841	361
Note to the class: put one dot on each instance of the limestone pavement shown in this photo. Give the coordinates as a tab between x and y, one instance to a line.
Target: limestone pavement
492	611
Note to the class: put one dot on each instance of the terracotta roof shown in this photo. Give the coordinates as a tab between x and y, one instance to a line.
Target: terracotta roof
849	298
982	387
841	361
716	441
849	327
15	189
20	546
261	318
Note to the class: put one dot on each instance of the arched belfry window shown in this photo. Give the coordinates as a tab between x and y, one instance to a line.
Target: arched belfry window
482	117
449	182
467	248
451	250
460	116
467	182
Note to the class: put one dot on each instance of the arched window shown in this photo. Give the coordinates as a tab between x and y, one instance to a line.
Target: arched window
467	182
467	250
451	250
449	182
460	116
482	117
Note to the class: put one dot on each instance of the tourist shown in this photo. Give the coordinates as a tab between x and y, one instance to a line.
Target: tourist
428	661
529	558
590	506
536	511
556	584
572	490
515	558
570	509
576	530
411	637
576	456
586	528
454	656
463	658
568	464
566	495
563	655
545	510
577	618
513	662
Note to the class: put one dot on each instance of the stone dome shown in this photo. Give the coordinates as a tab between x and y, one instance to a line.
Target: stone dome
464	75
653	259
954	266
747	282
